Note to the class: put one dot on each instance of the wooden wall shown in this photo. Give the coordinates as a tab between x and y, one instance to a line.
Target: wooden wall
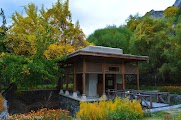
97	68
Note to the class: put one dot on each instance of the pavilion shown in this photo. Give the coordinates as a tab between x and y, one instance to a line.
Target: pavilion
94	69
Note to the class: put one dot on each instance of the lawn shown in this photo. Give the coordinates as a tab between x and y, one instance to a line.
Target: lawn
163	115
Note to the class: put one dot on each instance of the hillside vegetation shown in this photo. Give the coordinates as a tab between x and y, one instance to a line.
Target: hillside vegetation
158	38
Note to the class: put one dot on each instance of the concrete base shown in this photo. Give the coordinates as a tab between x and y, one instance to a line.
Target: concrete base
103	97
66	92
61	92
83	98
74	94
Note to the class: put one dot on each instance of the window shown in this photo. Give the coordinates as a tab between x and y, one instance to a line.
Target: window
113	69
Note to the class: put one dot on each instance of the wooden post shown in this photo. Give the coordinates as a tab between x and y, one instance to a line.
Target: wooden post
123	75
67	81
168	98
115	82
137	76
84	72
108	94
151	104
75	77
104	78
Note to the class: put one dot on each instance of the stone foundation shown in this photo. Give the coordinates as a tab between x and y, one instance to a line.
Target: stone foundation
69	104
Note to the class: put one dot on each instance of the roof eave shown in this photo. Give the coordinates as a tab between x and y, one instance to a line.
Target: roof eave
121	56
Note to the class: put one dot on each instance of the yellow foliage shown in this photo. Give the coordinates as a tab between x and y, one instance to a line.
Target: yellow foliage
55	50
100	110
1	103
91	111
171	11
2	54
31	34
44	113
21	44
1	30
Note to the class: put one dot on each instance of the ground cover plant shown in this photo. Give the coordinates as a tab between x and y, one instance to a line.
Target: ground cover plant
43	114
173	114
1	103
110	110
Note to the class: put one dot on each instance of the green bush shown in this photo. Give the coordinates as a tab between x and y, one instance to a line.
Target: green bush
27	72
171	89
70	86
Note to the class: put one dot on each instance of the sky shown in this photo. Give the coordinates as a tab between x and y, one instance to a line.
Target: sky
92	14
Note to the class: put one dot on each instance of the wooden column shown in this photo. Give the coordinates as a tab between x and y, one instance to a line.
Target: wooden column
67	81
123	75
84	79
137	76
115	82
104	78
75	77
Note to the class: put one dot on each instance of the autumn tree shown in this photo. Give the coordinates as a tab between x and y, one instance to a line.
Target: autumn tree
28	32
171	11
170	70
133	21
37	41
146	41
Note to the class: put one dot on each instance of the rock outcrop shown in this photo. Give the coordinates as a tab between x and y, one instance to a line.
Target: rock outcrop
177	3
157	14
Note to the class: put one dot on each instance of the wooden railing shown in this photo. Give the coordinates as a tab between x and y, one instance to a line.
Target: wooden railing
146	98
159	97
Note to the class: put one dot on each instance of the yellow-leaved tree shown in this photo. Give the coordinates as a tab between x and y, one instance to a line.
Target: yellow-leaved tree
45	32
55	50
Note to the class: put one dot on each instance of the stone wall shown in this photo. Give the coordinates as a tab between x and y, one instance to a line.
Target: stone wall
25	101
69	104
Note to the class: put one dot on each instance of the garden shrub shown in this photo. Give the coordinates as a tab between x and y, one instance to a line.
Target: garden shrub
43	114
110	110
171	89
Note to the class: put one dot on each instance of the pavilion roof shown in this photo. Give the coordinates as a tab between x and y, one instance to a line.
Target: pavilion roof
100	51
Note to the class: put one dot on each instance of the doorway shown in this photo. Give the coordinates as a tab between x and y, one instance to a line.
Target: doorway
109	83
110	79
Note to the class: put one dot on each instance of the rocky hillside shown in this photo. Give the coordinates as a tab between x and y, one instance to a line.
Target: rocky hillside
177	3
159	14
